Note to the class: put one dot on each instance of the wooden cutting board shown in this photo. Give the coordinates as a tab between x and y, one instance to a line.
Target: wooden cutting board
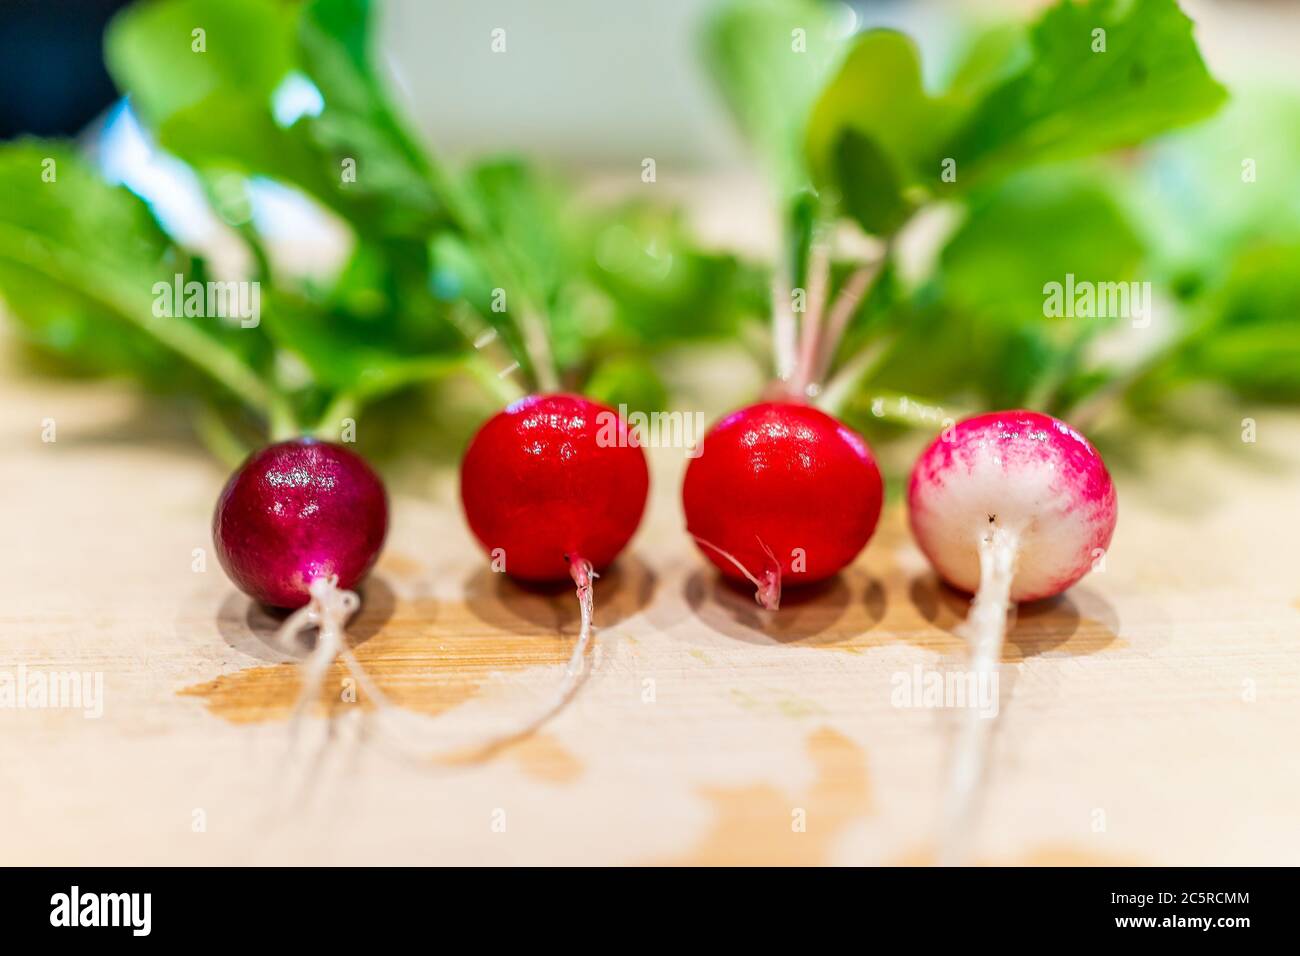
1148	717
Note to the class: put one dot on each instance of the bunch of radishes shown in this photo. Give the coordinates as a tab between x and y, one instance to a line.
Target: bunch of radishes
1011	506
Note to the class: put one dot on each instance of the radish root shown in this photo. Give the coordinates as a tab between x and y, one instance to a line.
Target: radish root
328	610
767	589
575	670
985	631
582	573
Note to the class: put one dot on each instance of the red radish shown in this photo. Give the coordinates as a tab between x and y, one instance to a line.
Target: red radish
1011	506
298	525
543	488
553	487
781	494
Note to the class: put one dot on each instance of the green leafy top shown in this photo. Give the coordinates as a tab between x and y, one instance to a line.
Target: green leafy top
1003	177
1094	76
978	194
577	296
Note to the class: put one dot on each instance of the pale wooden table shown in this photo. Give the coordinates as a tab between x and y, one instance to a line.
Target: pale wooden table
1150	717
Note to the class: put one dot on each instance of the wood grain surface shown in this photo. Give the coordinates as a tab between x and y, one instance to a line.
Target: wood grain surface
1149	716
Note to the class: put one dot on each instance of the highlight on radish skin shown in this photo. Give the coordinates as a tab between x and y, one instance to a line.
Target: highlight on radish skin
781	494
299	525
553	488
1010	506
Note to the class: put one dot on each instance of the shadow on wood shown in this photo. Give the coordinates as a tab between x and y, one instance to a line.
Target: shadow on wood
249	627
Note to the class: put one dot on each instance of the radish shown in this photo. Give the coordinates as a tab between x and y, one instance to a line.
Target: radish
296	512
1010	506
299	525
553	487
781	493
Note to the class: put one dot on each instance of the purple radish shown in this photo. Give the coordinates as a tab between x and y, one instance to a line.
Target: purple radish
298	525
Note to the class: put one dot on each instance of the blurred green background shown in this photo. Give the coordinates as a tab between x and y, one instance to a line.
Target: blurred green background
636	180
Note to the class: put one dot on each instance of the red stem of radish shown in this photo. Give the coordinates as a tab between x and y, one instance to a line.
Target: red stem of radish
837	319
819	268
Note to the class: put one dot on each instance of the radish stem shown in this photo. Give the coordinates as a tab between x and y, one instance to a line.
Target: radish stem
985	632
841	311
330	424
539	349
217	436
284	424
505	390
819	269
908	411
464	210
785	331
861	366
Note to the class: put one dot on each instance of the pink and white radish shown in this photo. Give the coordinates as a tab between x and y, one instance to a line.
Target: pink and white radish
1010	506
